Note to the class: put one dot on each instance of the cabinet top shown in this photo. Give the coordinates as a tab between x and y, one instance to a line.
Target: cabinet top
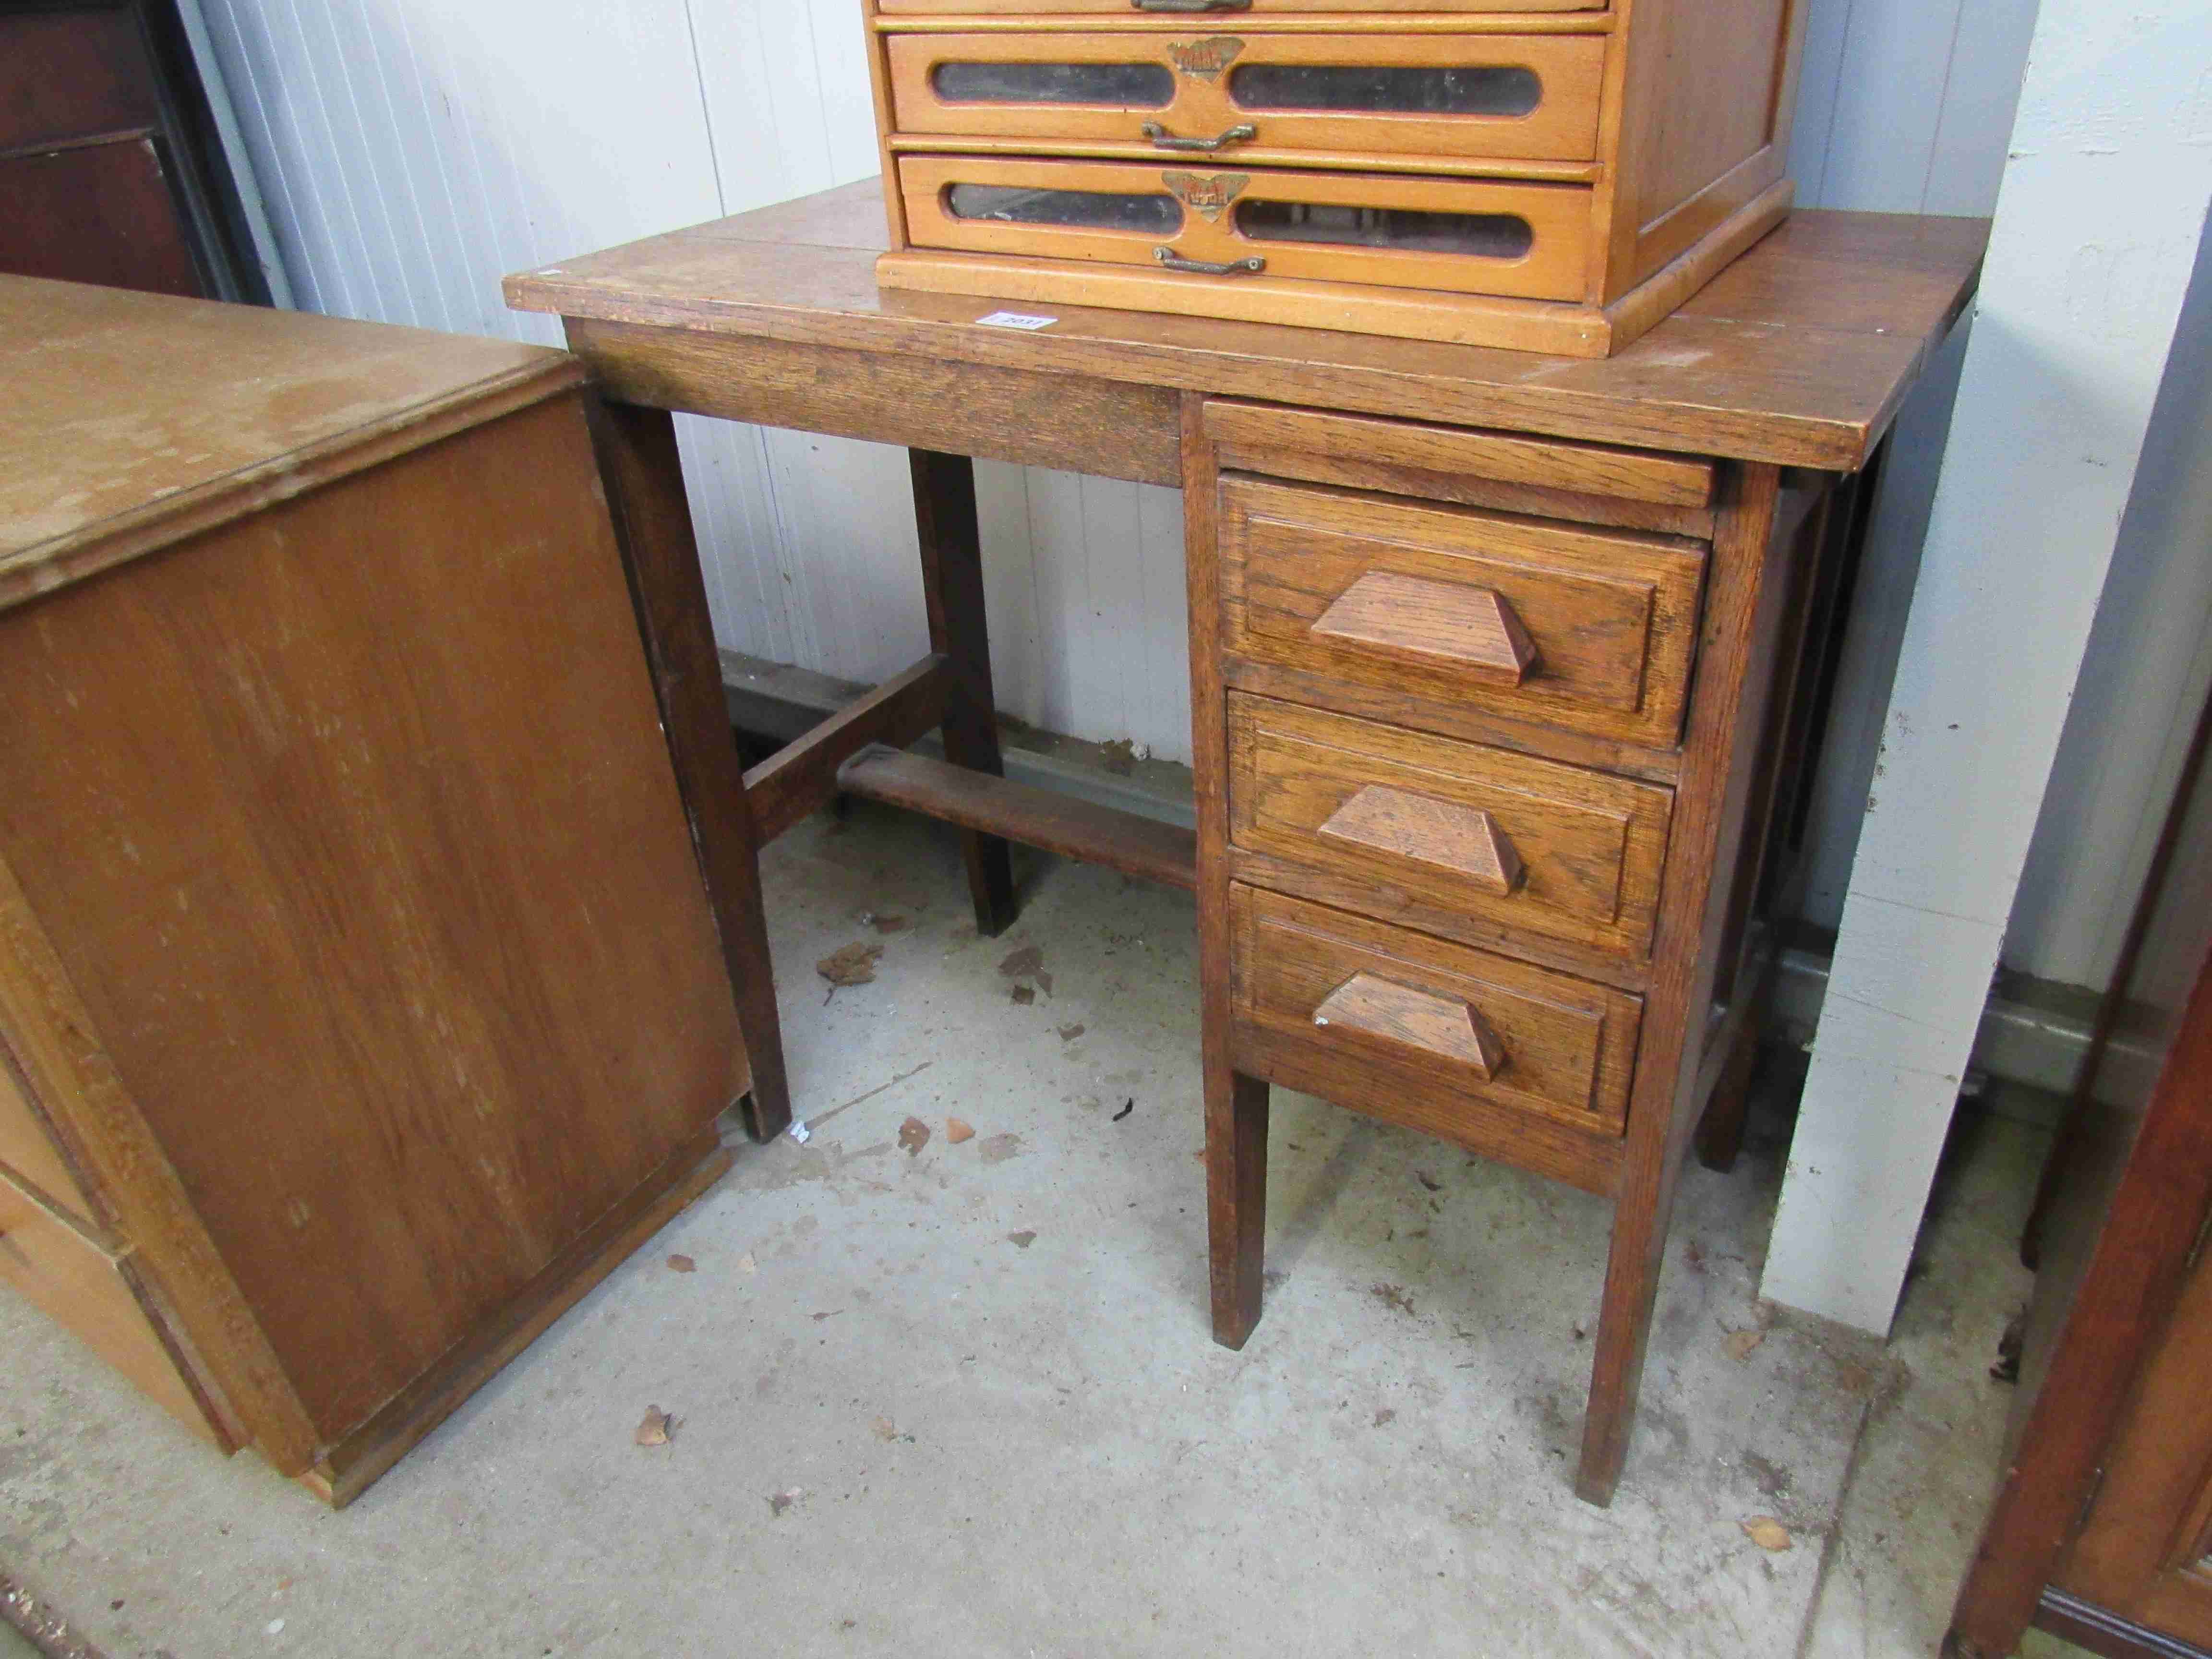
131	421
1799	354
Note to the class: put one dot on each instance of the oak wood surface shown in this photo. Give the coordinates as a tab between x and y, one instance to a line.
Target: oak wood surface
30	1148
1742	635
1465	841
1044	818
1450	1029
1580	470
115	449
1456	626
1589	845
1798	353
802	777
344	872
1610	614
1203	102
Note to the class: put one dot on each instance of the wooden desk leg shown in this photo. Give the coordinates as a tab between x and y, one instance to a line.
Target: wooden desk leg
1747	612
952	584
1235	1105
644	478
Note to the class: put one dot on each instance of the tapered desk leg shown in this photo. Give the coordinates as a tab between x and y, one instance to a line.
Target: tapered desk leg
952	584
644	476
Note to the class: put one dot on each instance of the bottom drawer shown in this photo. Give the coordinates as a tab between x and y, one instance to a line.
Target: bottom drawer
1476	1048
75	1284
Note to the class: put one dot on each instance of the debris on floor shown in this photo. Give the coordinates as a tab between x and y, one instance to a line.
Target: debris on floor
658	1429
1768	1534
1028	962
1128	1107
1069	1033
681	1264
913	1136
1024	995
1021	1241
852	964
1741	1345
957	1131
883	923
780	1501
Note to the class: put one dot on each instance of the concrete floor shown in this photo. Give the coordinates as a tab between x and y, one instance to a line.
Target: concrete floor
961	1400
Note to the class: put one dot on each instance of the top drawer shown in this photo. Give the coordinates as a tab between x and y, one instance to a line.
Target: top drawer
1458	95
1590	629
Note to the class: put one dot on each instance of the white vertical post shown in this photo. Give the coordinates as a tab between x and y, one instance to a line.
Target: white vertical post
2098	226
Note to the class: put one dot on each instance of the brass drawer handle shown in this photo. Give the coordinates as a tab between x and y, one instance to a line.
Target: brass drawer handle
1173	261
1243	133
1445	1027
1191	5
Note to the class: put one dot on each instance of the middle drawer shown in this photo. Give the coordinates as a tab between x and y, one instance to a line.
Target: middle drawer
1456	839
1524	97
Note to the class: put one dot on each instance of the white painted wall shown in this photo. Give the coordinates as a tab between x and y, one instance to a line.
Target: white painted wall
2098	235
413	151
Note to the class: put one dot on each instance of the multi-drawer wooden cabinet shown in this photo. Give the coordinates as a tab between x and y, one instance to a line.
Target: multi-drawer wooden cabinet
360	1003
1555	177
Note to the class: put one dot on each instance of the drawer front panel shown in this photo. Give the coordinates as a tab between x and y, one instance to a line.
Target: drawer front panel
1410	1029
1528	241
1457	837
1532	97
60	1271
1586	628
25	1150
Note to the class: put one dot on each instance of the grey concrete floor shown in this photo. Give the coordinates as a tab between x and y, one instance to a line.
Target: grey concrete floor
960	1399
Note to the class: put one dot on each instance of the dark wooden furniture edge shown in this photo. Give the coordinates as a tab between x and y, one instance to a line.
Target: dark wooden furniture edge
2087	1626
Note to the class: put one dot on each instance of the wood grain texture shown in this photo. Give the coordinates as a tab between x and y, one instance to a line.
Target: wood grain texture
395	882
57	1269
802	777
1610	615
31	1148
643	476
1825	323
1552	269
1527	170
101	213
1102	428
1449	1029
1576	470
1590	846
1460	628
1563	126
1570	1047
1741	636
116	450
1464	841
1235	1104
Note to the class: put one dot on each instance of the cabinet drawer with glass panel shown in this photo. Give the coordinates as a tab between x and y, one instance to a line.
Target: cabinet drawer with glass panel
1548	177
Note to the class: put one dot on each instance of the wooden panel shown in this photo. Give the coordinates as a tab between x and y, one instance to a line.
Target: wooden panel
1663	480
1202	101
1588	846
95	213
1722	61
1611	615
72	71
346	867
1567	1047
61	1271
802	776
1105	429
1075	829
1215	207
26	1147
1447	1030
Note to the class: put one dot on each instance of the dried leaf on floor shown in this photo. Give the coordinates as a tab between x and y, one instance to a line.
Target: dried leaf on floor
1021	1241
913	1135
854	964
746	1264
658	1429
1023	963
1024	995
887	924
1768	1534
1069	1033
1393	1296
1119	756
1742	1344
885	1428
681	1264
1385	1418
957	1131
778	1502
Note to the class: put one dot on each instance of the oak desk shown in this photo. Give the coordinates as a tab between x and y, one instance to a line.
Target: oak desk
1499	667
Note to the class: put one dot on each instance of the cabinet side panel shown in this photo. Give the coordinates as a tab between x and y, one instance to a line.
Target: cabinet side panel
352	824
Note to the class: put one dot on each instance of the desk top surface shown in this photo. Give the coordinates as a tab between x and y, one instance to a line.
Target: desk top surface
1798	353
132	419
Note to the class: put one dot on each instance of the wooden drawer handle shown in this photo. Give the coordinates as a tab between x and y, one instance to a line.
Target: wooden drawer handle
1415	1019
1464	840
1470	628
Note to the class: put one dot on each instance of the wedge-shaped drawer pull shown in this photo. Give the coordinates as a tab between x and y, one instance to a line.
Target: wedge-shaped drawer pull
1444	1026
1470	628
1464	840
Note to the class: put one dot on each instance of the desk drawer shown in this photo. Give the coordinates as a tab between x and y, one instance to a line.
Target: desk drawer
1455	838
76	1285
1214	227
1403	1027
1580	627
1532	97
